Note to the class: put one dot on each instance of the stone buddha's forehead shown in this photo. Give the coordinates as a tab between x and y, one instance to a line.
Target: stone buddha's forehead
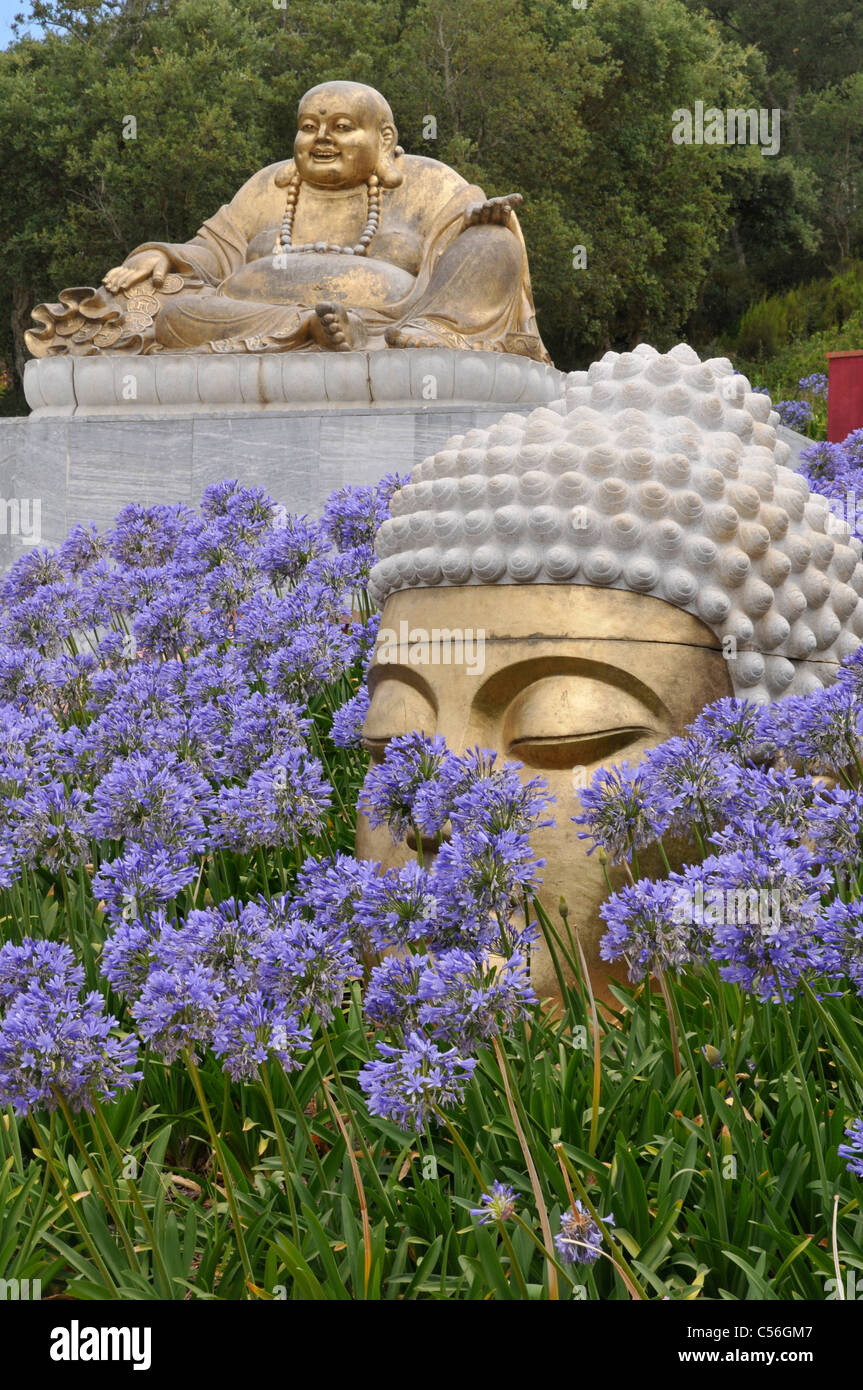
355	99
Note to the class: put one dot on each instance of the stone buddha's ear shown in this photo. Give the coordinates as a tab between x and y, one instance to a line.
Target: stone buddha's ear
387	171
284	175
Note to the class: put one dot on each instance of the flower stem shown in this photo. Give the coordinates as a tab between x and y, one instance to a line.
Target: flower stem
226	1176
110	1204
553	1290
287	1166
46	1149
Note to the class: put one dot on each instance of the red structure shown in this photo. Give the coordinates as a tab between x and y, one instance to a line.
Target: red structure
844	394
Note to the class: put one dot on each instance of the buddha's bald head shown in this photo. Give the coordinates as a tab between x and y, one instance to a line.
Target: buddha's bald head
345	133
367	103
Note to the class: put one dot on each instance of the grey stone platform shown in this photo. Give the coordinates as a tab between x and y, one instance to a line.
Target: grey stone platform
106	431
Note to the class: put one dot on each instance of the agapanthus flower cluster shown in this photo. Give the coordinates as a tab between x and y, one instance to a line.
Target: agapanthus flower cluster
579	1240
836	471
771	888
457	920
454	996
795	414
776	837
814	385
621	813
159	684
853	1150
496	1205
473	819
243	979
411	1084
688	777
820	731
654	926
840	933
58	1045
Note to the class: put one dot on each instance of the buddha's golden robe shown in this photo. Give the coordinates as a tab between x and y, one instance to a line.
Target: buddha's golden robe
469	285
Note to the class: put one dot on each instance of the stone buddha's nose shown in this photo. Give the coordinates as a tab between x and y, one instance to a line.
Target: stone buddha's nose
453	726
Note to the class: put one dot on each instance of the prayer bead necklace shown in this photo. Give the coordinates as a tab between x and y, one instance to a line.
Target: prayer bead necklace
283	237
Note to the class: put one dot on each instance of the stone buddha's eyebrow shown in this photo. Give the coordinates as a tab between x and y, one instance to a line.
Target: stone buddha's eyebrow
381	672
520	676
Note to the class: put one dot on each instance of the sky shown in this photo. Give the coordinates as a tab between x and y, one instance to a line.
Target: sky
8	10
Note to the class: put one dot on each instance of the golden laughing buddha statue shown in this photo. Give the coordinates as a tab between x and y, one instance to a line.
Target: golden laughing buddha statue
349	244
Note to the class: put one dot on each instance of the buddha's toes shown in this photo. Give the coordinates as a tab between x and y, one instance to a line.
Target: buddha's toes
421	333
335	327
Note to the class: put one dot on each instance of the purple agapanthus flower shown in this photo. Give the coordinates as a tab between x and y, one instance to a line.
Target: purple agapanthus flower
398	907
467	1001
141	880
814	385
840	932
353	515
579	1240
284	802
307	966
734	727
57	1046
621	812
392	786
773	794
763	894
49	827
409	1084
157	800
654	926
252	1028
48	964
496	1205
391	998
347	731
853	1150
835	825
290	548
688	777
821	729
480	880
795	414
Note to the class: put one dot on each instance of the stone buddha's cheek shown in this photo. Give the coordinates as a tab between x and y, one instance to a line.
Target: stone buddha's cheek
307	277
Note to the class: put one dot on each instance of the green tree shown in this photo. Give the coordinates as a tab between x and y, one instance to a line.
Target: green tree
570	107
831	121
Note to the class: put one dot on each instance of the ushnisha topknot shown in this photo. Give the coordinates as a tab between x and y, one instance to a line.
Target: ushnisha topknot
657	473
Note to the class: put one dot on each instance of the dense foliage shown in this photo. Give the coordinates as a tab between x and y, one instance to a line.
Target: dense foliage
570	105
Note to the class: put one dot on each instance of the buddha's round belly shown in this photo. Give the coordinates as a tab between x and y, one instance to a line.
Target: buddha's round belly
304	277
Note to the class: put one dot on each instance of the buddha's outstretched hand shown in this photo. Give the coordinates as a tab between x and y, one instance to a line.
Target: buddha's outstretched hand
494	211
137	268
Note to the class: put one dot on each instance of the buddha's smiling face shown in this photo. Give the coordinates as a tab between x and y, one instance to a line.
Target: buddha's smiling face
341	135
566	680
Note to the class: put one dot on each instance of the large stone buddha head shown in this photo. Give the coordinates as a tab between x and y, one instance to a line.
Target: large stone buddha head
627	555
345	133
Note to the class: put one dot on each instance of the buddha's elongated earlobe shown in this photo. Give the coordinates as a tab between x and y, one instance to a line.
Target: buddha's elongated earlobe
389	174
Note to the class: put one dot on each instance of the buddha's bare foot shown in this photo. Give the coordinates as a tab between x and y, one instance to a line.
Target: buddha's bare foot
335	327
424	333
